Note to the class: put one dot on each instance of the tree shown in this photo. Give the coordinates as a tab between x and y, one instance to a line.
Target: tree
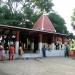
30	16
73	19
58	22
0	2
8	17
71	36
43	5
29	12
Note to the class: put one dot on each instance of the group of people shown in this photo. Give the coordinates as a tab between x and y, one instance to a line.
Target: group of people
11	52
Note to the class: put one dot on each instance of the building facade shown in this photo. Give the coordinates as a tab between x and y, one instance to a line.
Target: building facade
33	40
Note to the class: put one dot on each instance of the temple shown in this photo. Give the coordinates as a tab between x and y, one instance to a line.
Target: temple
32	40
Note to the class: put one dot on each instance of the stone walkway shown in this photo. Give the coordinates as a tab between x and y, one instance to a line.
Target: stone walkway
39	66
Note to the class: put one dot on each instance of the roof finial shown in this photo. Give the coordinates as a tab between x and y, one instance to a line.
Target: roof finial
44	12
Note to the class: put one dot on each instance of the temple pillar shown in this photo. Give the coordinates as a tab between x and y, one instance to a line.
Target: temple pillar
32	45
17	41
40	44
60	45
53	45
63	44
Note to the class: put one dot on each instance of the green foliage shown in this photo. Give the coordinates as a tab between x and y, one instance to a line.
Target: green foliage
73	16
8	17
71	36
58	23
73	19
5	12
44	5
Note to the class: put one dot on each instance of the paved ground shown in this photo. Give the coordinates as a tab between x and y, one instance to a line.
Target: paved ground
39	66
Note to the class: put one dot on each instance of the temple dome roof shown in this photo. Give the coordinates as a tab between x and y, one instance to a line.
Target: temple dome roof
44	24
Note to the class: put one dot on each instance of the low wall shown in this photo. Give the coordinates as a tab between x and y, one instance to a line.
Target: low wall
48	53
54	52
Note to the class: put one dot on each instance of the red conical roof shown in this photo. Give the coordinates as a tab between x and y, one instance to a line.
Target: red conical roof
44	23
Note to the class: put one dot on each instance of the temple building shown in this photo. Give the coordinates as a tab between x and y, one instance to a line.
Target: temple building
33	40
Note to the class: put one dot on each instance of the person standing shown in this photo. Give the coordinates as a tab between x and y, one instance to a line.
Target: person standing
67	50
11	52
20	50
44	51
2	53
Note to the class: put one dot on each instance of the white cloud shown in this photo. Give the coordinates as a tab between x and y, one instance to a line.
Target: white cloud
65	9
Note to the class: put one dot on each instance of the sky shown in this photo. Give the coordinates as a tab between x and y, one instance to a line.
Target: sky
65	9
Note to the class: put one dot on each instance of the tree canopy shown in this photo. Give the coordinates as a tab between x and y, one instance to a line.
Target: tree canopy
58	23
73	19
28	12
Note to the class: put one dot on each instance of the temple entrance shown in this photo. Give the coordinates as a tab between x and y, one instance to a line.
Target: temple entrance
24	42
29	42
47	40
